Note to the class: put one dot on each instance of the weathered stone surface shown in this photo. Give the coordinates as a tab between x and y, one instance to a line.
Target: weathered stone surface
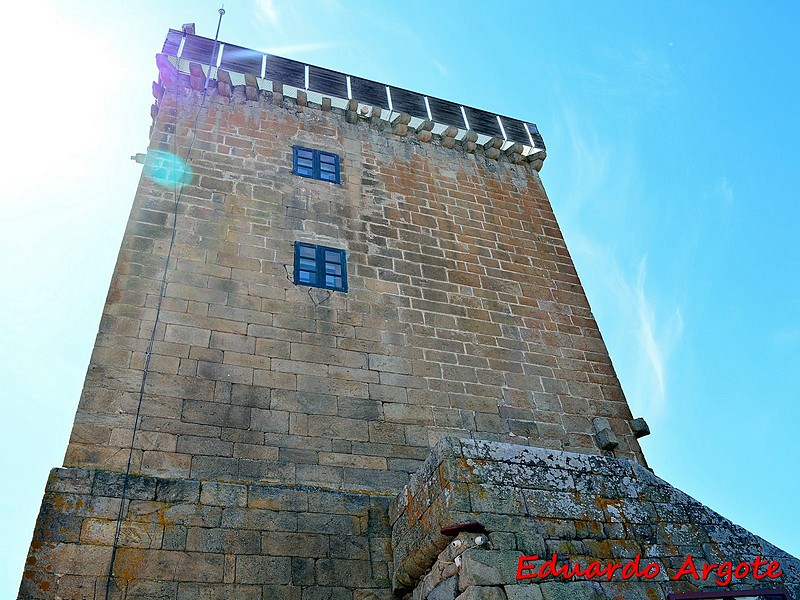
523	592
640	427
221	538
487	567
592	510
483	593
446	590
571	590
177	491
223	494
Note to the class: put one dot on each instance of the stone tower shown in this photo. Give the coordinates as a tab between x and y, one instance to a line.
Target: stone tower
345	355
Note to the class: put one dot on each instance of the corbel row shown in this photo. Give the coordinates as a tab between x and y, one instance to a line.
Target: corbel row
400	125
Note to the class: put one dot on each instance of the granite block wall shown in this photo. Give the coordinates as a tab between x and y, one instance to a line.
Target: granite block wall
464	314
545	513
190	540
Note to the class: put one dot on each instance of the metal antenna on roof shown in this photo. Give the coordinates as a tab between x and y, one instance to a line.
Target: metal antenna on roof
214	48
221	12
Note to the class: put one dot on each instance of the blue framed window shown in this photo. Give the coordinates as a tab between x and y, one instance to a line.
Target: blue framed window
320	266
315	164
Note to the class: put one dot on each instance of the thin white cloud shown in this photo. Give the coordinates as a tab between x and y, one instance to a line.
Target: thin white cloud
657	338
724	192
641	327
627	310
269	12
636	73
646	334
589	158
789	336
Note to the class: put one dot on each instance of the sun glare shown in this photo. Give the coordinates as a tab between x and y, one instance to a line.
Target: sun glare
166	169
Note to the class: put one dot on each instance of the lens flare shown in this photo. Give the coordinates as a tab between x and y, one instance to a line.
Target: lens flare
166	169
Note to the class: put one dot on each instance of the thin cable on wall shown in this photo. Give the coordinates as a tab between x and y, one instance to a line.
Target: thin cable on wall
178	186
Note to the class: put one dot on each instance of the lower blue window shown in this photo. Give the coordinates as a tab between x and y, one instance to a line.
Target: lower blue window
320	266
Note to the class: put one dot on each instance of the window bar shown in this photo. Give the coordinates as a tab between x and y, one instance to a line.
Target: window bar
502	129
464	114
530	137
389	97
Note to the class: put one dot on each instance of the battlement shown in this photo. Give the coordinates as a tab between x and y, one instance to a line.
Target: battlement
428	118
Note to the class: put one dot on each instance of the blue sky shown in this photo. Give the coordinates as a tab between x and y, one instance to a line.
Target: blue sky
672	134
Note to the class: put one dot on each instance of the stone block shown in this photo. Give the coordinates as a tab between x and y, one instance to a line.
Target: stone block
73	481
262	520
338	387
265	471
132	534
174	537
214	493
254	396
482	593
360	408
166	464
53	526
212	467
373	481
480	567
225	372
330	524
391	364
277	498
639	427
352	460
530	542
354	573
151	590
214	413
223	541
193	445
446	590
523	592
233	342
112	484
274	421
327	593
300	545
263	569
585	590
333	502
168	565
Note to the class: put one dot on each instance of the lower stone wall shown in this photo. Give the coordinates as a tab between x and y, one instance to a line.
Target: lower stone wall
557	510
479	520
192	540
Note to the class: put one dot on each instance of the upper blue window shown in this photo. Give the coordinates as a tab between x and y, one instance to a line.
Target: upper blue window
320	266
316	164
